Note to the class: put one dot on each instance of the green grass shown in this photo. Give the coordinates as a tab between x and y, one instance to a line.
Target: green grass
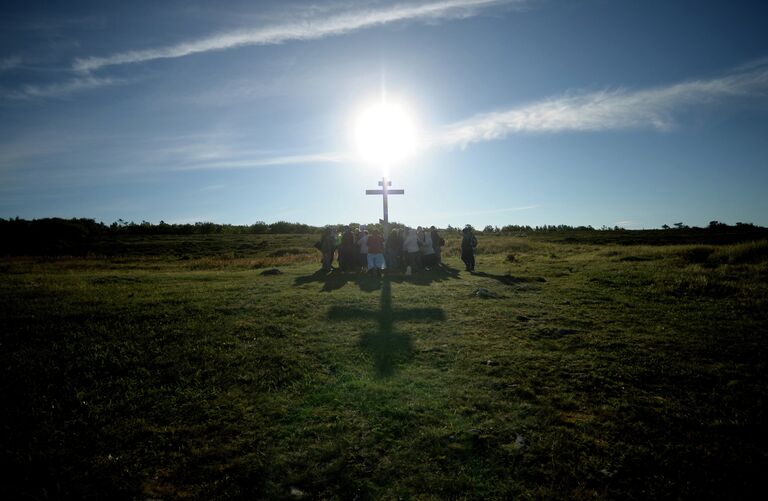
599	371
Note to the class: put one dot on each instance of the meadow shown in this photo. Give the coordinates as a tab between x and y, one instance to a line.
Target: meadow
172	367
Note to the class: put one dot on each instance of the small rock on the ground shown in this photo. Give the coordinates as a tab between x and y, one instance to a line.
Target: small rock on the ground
484	293
272	271
297	493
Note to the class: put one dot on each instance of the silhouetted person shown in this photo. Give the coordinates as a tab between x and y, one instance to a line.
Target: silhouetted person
428	257
375	255
327	247
420	239
437	244
393	250
348	255
468	245
362	243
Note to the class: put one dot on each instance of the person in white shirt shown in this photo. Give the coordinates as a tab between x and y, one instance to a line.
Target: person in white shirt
362	243
428	256
411	249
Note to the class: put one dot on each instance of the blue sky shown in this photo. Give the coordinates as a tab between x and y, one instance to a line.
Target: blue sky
581	112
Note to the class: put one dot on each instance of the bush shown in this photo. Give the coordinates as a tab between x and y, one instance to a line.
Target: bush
747	252
696	255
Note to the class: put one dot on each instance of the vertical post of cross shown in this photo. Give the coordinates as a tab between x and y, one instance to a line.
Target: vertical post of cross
385	224
385	192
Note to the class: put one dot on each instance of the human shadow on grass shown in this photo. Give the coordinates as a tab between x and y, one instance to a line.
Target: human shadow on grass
336	279
426	277
508	279
387	346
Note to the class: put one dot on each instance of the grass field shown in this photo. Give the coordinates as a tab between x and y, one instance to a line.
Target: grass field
175	369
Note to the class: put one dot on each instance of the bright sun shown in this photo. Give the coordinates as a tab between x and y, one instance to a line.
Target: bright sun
385	134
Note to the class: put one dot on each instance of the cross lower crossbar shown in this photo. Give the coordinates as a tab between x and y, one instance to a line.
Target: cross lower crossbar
381	192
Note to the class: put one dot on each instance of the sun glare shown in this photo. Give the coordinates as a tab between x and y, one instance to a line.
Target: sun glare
385	134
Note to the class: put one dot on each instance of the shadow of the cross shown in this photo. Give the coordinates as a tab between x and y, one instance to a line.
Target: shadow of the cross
508	279
387	346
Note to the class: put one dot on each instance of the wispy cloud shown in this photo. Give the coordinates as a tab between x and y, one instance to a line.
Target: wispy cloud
210	187
307	29
606	110
61	89
10	63
496	211
598	111
250	163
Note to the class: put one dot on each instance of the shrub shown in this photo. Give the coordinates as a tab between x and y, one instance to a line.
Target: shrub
291	251
747	252
696	255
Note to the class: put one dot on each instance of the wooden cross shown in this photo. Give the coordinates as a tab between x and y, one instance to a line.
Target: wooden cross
385	191
387	346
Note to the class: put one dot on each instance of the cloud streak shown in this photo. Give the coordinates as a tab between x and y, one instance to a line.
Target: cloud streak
654	108
54	90
245	163
312	29
10	63
496	211
607	110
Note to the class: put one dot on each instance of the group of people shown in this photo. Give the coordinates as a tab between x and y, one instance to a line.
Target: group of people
404	250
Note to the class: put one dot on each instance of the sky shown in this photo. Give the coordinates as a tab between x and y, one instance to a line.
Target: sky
578	112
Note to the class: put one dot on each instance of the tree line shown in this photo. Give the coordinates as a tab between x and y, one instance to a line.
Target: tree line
58	236
83	227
